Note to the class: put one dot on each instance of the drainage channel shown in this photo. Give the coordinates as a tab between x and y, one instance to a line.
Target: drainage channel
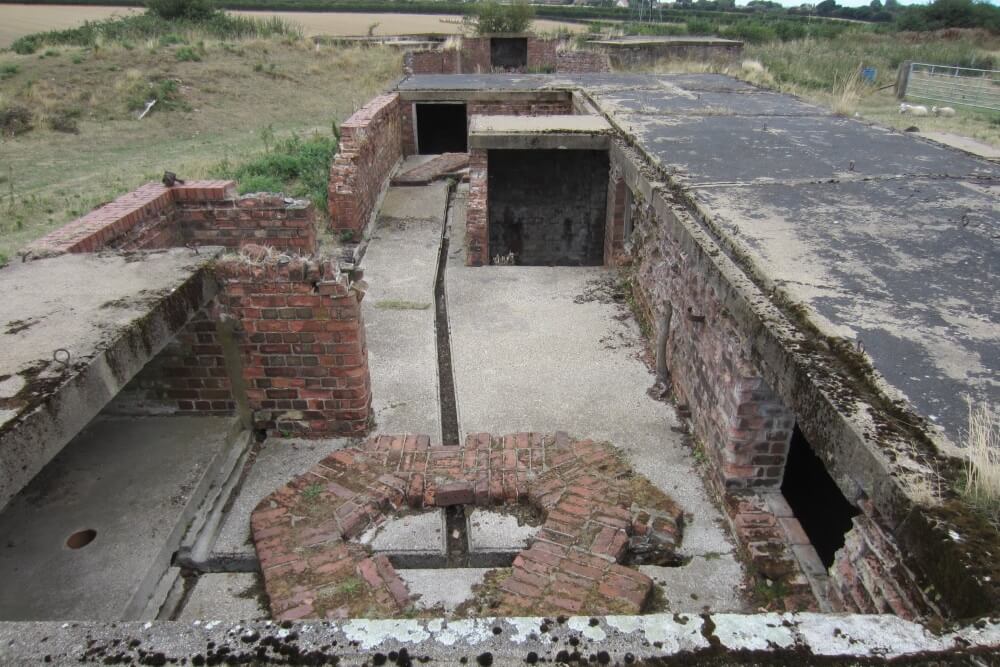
446	379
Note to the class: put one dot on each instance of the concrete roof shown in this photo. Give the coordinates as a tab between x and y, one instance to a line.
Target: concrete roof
674	40
884	237
106	315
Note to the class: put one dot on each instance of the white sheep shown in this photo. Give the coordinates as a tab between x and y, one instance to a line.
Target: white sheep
947	112
913	109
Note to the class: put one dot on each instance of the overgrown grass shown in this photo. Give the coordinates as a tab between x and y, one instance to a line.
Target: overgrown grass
982	469
294	166
144	27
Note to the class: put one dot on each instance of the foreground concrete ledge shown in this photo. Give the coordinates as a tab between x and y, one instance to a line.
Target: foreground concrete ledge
559	131
718	639
75	329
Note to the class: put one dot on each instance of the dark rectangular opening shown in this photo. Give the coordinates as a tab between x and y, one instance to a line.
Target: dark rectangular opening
816	500
441	128
547	207
509	53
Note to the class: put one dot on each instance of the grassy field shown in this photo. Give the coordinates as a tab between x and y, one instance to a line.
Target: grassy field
222	108
825	71
19	20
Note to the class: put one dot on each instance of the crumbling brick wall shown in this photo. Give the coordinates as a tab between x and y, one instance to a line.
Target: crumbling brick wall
370	148
199	212
302	343
743	424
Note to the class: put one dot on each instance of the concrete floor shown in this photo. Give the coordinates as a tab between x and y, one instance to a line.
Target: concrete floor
136	482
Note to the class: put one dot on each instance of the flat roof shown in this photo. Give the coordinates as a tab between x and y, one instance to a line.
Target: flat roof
561	124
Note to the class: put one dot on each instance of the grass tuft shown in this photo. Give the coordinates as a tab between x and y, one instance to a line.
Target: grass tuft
982	464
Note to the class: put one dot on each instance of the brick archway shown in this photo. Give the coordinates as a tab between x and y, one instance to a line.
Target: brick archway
599	517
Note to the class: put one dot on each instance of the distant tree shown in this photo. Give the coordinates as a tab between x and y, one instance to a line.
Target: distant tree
875	5
182	9
827	7
492	17
891	5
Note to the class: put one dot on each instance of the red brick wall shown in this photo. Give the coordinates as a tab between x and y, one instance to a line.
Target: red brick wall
744	426
474	56
542	54
477	214
302	342
188	377
263	219
614	233
370	148
575	62
868	575
424	62
202	212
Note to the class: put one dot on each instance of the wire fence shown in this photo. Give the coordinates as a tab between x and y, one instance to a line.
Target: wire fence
961	86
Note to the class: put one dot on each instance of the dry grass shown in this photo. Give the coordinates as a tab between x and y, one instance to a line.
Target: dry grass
48	178
982	469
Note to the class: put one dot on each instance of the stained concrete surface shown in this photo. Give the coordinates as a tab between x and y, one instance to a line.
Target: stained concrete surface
276	462
442	589
907	267
490	530
421	532
400	266
225	595
75	329
135	481
547	349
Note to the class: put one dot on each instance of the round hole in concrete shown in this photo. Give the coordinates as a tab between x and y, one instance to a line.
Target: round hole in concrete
81	538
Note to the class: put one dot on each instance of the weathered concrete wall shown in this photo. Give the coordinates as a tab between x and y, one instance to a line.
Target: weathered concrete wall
197	213
302	341
370	148
548	206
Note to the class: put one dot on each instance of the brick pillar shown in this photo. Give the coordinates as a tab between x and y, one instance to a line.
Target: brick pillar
755	444
614	232
407	127
302	342
477	252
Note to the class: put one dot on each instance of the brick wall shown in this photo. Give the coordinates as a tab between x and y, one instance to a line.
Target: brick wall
187	377
302	342
542	55
869	576
548	206
477	210
614	233
370	148
575	62
743	424
262	218
201	212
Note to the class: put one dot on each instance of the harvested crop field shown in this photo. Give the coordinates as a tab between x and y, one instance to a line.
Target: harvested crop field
19	20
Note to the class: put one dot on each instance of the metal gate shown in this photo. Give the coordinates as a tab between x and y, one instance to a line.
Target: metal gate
964	86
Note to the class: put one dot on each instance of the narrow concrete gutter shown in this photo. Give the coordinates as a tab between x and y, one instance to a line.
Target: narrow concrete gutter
718	639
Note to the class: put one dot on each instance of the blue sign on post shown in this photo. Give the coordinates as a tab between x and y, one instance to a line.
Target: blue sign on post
868	74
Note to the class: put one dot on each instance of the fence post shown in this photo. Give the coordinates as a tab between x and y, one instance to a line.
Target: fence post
902	78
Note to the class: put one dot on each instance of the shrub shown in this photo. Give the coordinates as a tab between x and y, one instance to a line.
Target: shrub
14	120
698	26
492	17
186	54
64	120
982	470
7	70
261	184
196	10
26	45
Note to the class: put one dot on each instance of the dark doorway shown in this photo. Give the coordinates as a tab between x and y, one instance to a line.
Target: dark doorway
547	207
441	128
823	511
509	53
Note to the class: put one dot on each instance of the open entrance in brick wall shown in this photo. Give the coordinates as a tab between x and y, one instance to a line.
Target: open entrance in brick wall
819	505
547	207
441	128
508	53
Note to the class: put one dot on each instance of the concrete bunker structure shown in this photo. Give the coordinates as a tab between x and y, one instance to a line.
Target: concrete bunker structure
649	176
